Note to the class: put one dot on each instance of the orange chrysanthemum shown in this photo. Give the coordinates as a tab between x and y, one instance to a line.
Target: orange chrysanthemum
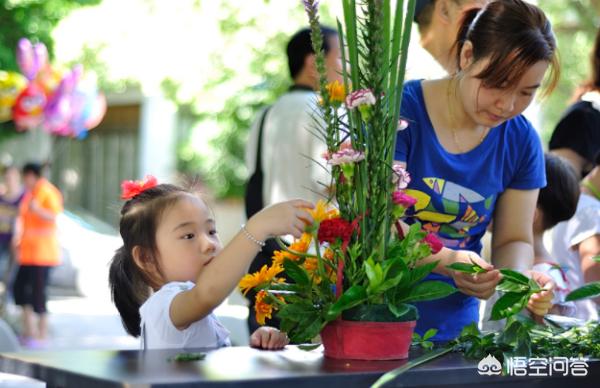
337	92
262	309
323	212
300	246
310	264
264	276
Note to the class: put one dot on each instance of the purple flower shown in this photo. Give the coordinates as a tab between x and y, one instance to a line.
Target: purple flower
310	5
401	177
403	199
359	98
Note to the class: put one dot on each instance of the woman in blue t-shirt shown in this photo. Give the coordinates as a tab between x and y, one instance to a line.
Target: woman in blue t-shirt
472	156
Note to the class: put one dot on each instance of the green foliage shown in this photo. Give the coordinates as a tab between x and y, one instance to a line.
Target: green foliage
575	24
33	19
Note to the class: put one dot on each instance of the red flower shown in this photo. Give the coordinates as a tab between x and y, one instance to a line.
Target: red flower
331	230
434	243
403	199
130	189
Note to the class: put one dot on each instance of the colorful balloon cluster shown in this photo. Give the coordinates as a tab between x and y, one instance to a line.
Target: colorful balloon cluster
62	103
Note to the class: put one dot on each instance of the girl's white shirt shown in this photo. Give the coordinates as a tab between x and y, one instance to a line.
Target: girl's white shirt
158	332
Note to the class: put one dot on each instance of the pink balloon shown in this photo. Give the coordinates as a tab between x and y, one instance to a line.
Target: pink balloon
26	58
31	58
98	112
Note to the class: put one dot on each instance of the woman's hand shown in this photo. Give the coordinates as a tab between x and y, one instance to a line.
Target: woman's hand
540	302
266	337
480	285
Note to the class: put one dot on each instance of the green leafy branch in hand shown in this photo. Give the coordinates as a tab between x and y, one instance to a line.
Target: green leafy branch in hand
517	289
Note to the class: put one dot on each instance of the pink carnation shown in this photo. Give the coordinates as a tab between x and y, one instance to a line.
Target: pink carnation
345	156
401	177
434	243
360	97
403	199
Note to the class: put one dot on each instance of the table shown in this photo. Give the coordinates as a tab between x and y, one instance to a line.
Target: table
246	367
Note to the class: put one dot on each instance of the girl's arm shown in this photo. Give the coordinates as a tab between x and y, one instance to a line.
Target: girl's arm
588	249
220	277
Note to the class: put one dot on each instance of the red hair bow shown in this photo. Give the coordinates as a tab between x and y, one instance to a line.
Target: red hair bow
130	189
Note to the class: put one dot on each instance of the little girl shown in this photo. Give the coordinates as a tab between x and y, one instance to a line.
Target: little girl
170	245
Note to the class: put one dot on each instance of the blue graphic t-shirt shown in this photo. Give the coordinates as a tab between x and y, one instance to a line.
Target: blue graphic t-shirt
456	193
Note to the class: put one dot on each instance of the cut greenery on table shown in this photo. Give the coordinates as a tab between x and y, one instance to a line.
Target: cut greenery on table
521	336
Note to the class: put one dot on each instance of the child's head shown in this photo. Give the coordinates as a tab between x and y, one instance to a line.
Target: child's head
503	52
557	201
168	235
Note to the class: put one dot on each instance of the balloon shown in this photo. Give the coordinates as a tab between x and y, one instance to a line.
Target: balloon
49	78
11	85
58	112
98	112
31	58
29	107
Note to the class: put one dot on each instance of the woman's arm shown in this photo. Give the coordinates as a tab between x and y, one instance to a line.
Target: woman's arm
512	236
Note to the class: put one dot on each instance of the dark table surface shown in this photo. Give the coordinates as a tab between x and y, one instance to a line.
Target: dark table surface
245	367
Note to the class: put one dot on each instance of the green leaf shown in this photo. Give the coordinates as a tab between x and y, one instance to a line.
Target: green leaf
374	274
306	330
590	290
398	309
509	304
596	259
507	285
416	337
308	348
428	291
429	333
534	286
297	311
514	276
353	296
183	357
297	273
419	273
463	267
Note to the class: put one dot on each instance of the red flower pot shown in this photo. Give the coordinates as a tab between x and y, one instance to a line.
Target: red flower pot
362	340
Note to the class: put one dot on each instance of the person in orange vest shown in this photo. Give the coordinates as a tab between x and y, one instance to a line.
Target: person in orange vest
37	249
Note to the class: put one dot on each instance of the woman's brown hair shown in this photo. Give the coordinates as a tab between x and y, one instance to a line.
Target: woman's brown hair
514	35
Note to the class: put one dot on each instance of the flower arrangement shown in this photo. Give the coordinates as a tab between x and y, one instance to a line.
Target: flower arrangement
355	261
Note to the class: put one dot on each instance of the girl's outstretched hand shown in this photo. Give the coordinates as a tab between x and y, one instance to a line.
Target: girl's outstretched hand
266	337
290	217
541	302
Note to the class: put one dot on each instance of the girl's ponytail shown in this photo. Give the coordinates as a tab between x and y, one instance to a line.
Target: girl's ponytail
129	289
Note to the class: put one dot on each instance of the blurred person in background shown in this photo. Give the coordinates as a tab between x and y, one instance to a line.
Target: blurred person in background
10	198
282	147
577	134
37	250
439	22
577	241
